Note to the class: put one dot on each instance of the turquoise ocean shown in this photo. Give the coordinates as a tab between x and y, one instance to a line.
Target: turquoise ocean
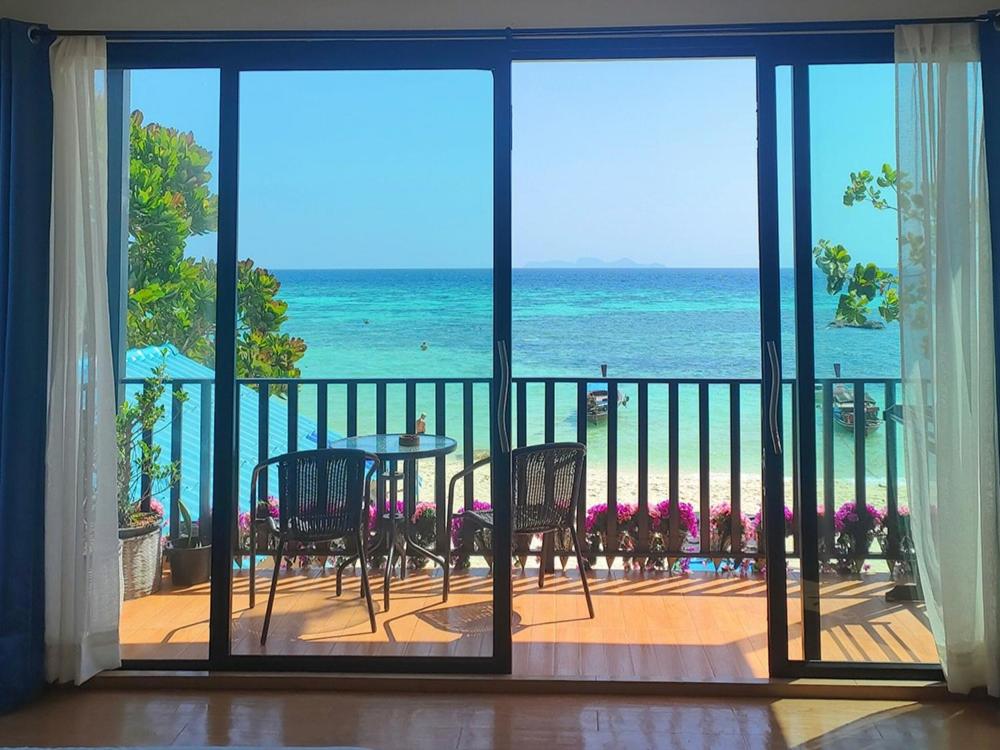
641	323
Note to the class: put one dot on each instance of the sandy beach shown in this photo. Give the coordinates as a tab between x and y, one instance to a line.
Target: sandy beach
689	487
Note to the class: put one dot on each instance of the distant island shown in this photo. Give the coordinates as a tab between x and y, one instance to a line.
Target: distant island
590	263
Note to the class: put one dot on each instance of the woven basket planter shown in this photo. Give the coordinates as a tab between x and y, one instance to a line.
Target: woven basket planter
142	561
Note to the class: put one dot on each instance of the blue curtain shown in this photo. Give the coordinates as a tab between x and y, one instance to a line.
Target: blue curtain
25	185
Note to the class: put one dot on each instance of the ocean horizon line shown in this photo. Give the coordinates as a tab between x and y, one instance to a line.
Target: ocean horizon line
533	268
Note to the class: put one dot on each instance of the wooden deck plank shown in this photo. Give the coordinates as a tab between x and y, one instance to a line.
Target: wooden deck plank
699	626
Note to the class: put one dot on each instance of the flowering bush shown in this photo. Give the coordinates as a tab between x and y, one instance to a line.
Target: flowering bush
596	530
903	557
685	513
156	508
597	516
757	524
855	528
271	510
720	523
459	536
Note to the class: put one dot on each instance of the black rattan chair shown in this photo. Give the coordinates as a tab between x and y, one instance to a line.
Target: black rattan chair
545	490
323	497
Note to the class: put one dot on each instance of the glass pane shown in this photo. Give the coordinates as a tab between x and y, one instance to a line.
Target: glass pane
866	608
366	306
169	373
635	284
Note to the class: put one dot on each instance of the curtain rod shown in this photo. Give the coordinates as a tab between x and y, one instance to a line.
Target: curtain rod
36	33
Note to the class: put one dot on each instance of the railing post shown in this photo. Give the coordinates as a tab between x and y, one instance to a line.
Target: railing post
410	417
829	488
796	495
735	478
293	417
468	436
205	464
581	437
146	481
468	455
352	409
643	466
548	557
612	519
176	442
381	408
891	477
673	461
860	420
549	425
321	416
522	414
440	480
263	439
704	471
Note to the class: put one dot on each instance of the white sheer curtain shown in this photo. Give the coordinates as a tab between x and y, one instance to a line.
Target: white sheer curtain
946	323
81	537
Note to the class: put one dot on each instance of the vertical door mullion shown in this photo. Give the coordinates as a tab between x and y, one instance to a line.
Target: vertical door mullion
500	408
770	319
118	205
224	470
805	365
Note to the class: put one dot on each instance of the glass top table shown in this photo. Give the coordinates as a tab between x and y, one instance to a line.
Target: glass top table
389	512
387	446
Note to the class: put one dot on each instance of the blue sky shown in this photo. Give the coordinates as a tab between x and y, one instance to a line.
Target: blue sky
651	160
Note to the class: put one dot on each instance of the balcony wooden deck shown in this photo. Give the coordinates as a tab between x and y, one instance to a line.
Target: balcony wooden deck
700	626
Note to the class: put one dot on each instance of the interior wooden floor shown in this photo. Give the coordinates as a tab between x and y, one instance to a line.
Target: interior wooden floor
73	718
696	627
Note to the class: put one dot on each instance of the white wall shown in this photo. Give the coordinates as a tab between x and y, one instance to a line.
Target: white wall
442	14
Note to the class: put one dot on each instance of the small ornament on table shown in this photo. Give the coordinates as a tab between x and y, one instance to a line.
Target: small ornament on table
421	426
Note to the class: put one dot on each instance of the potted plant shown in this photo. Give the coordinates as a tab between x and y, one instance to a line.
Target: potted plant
855	527
596	532
721	524
140	471
190	560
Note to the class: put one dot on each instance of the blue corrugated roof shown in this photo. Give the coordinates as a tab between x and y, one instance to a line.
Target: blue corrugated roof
140	363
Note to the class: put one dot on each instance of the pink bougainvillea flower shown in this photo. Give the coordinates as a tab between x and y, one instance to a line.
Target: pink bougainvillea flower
685	513
848	515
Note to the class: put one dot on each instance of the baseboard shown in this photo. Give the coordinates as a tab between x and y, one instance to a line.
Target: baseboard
774	688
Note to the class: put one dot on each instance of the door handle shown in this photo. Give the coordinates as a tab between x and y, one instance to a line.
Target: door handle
502	402
773	402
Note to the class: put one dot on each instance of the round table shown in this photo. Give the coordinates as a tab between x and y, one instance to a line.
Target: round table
389	450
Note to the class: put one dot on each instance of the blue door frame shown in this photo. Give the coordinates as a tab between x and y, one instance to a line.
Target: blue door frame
796	45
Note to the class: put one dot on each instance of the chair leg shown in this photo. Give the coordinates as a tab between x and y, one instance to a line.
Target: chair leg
487	553
361	556
446	568
253	562
547	541
583	571
341	564
365	585
274	588
389	562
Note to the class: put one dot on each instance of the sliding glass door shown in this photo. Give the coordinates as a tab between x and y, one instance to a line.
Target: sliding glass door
844	587
365	296
306	260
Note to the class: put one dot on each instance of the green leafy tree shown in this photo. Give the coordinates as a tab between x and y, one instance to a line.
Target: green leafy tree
138	456
171	297
862	284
